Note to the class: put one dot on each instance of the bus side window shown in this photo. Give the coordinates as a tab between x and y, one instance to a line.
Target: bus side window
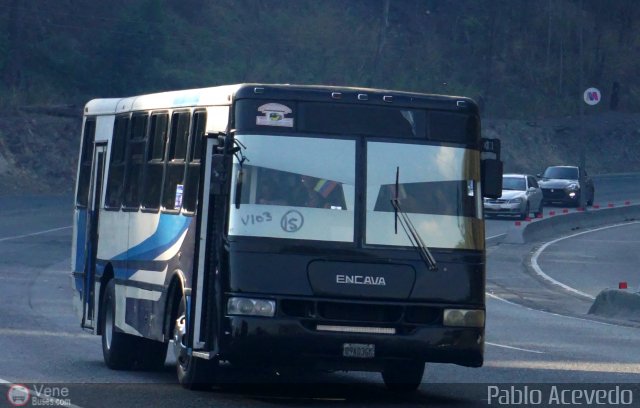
173	188
115	179
192	180
154	163
84	177
135	160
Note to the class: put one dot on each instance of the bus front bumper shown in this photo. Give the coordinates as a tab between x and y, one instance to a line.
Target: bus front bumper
290	341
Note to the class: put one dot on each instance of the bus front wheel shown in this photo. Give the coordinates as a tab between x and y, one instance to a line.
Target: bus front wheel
193	373
403	376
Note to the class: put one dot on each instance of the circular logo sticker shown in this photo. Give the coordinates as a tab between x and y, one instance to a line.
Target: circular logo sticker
292	221
592	96
18	395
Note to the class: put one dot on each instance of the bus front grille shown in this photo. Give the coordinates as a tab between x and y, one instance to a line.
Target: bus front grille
360	312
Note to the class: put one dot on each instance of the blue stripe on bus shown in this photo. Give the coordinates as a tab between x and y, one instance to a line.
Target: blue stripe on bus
124	276
169	230
81	239
124	273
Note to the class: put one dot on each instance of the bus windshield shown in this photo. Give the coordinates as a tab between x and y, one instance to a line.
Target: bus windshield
304	188
437	187
295	187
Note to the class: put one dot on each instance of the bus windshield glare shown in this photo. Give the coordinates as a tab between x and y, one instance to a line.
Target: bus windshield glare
438	188
296	187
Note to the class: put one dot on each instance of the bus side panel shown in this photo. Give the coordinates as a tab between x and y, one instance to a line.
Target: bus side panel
148	315
113	241
160	245
112	247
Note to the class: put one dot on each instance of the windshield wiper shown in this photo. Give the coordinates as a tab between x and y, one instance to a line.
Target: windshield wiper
410	230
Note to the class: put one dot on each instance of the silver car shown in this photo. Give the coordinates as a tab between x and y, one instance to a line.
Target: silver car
521	195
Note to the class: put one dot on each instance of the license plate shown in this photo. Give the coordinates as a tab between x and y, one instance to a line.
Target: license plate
358	350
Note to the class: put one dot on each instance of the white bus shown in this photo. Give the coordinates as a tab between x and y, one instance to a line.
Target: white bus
325	227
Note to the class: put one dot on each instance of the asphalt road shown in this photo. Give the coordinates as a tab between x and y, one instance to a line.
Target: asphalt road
41	342
595	260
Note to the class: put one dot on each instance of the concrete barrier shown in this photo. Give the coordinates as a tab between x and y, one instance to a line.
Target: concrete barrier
558	225
618	304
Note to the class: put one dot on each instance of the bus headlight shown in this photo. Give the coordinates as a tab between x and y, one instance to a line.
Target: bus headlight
251	307
463	318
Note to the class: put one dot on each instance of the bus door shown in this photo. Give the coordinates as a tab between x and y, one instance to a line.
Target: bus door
91	246
204	301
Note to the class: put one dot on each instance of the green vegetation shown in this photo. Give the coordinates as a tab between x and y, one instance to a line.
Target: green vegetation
520	59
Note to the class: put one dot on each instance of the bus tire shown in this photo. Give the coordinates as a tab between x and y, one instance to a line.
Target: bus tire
193	373
403	376
118	349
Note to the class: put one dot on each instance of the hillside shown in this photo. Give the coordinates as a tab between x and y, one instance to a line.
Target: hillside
38	152
611	140
520	59
527	63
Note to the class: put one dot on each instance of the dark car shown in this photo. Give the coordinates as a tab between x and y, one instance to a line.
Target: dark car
569	185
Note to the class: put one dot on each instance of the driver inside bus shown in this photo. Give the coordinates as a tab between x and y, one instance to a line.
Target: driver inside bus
269	193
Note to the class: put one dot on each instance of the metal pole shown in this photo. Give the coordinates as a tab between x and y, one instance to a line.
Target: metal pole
583	158
583	137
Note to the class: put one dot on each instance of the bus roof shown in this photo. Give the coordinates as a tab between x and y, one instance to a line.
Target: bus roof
223	95
220	95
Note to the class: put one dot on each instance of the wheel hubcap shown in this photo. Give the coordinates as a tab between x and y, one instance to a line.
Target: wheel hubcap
179	347
108	323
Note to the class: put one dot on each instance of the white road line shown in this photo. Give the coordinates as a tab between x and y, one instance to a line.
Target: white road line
34	233
51	400
496	297
43	333
496	236
54	401
540	273
513	348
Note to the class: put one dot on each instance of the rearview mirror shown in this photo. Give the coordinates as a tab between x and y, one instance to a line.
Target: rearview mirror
491	173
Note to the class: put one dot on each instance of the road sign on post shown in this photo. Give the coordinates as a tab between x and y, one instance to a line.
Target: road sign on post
592	96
